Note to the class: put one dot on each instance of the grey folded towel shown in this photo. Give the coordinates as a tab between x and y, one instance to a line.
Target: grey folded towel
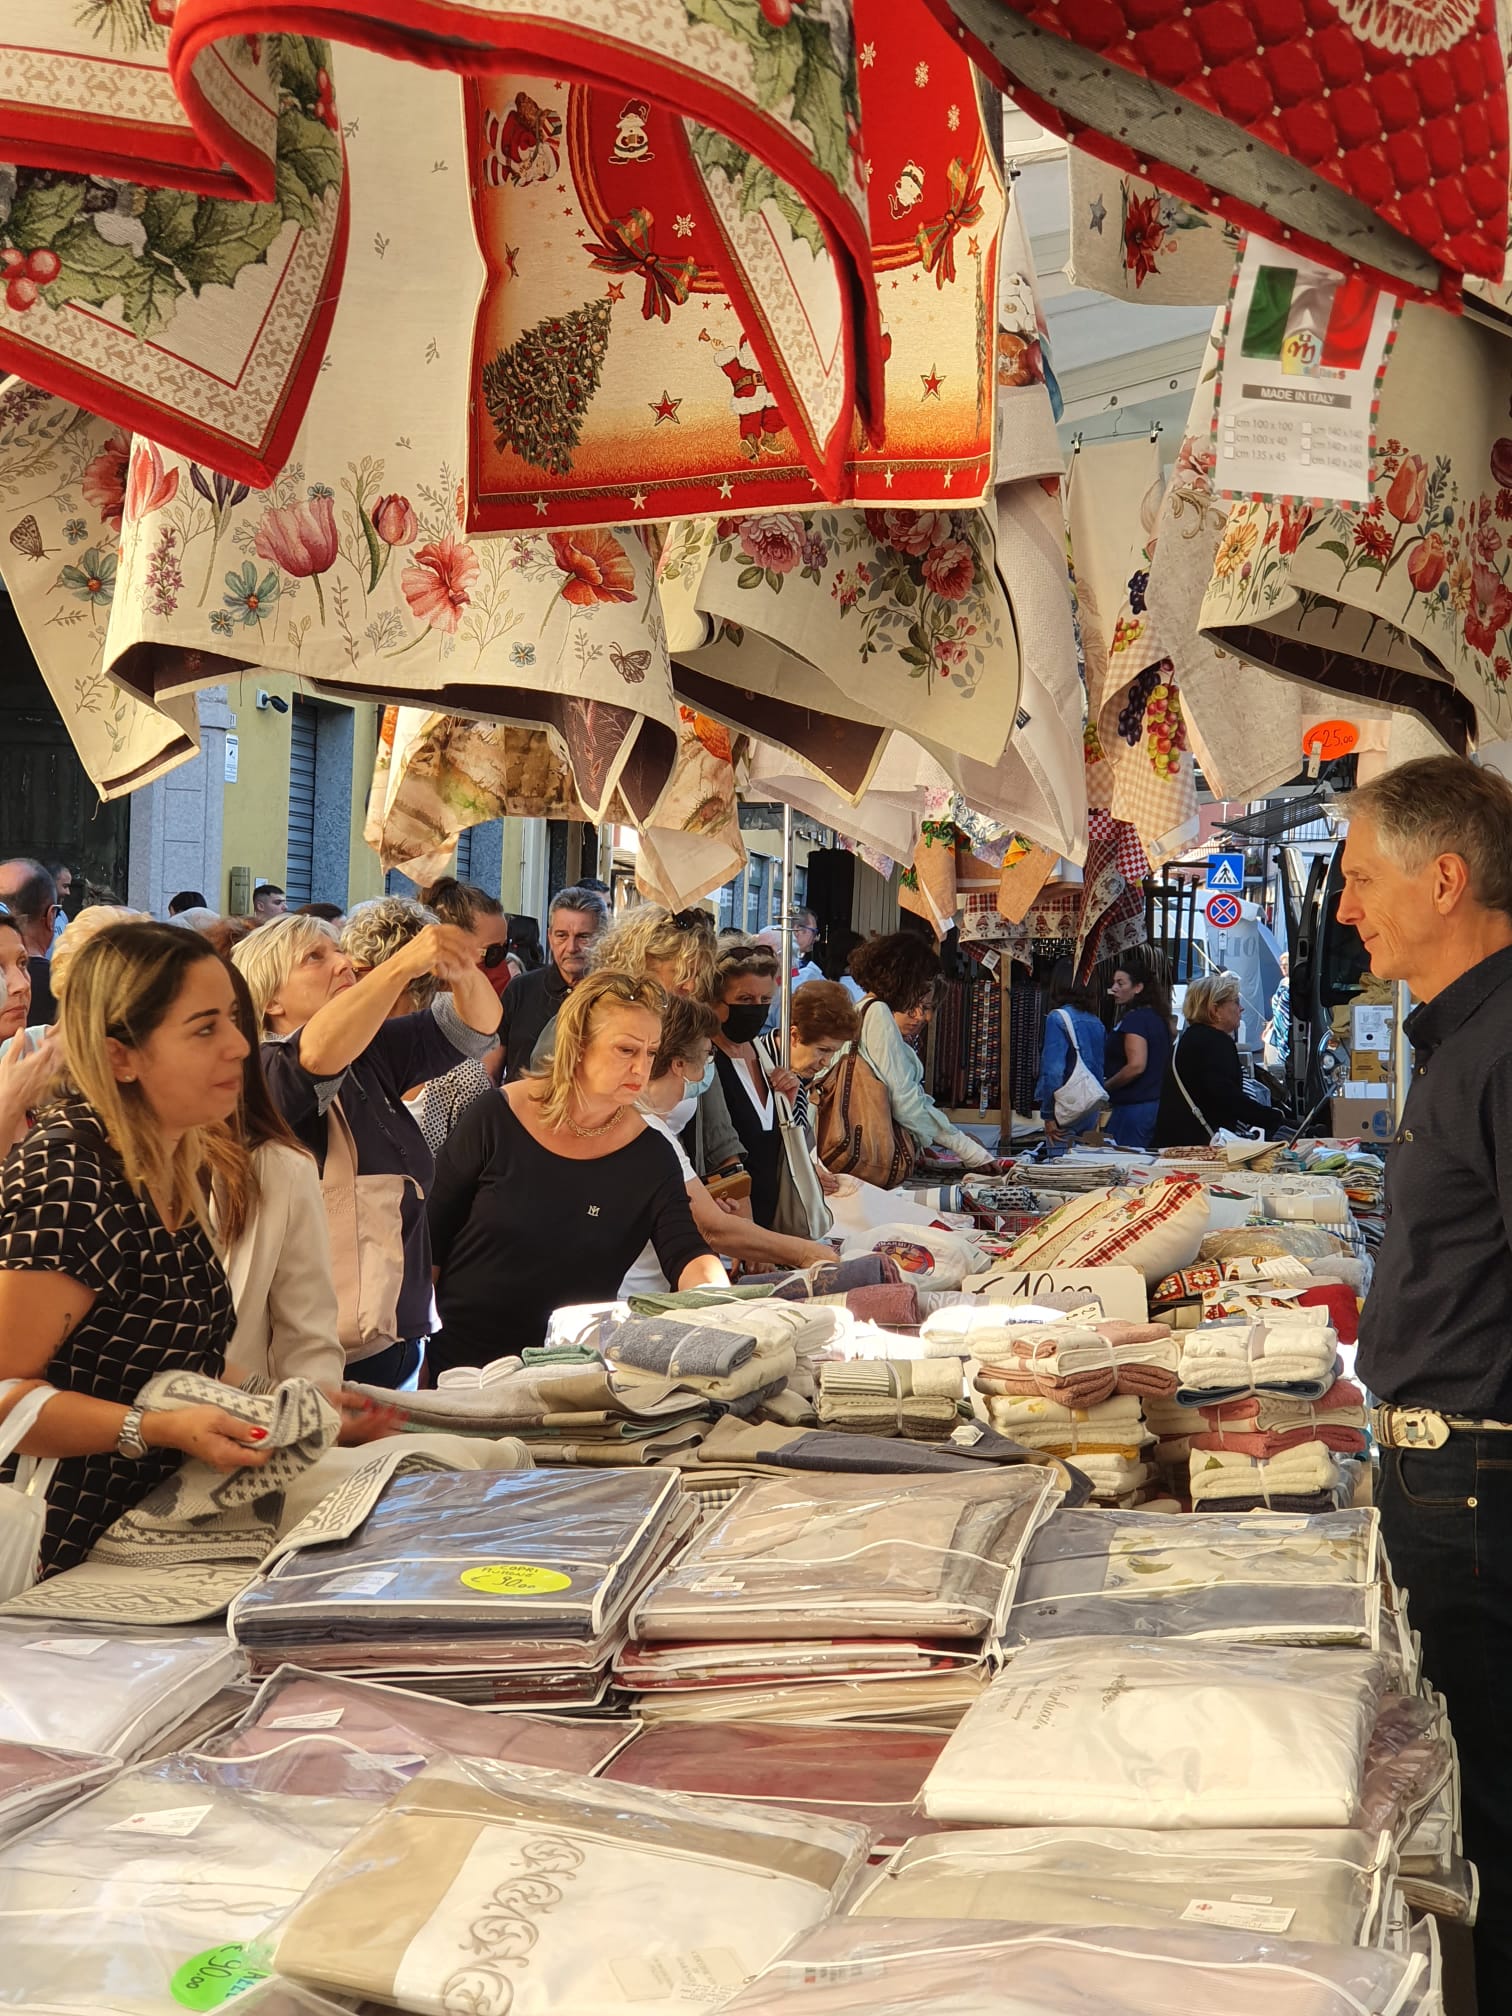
676	1350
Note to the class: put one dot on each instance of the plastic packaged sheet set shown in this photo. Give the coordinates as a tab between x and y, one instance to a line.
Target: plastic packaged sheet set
1269	1578
528	1571
902	1967
888	1557
481	1887
870	1776
113	1904
34	1781
1321	1883
99	1689
1142	1733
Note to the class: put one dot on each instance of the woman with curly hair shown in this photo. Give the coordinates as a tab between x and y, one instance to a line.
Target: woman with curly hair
899	975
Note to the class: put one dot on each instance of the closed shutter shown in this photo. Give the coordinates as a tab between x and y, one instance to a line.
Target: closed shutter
299	876
463	869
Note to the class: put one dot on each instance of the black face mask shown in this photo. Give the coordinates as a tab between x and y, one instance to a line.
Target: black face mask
744	1022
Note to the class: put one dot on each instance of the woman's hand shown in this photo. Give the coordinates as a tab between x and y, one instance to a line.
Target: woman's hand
829	1184
782	1080
445	950
1053	1132
362	1419
209	1434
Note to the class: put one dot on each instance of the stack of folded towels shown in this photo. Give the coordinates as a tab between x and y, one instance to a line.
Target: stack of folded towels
1277	1413
916	1398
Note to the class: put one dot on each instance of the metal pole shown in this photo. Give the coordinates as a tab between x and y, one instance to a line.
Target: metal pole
1401	1071
786	1024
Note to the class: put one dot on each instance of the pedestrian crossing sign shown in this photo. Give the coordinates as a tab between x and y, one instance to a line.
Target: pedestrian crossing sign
1226	871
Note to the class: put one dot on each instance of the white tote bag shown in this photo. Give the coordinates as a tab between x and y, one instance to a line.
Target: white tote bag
23	1501
1083	1089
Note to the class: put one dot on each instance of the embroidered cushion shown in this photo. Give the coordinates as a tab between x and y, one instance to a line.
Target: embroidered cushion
1157	1228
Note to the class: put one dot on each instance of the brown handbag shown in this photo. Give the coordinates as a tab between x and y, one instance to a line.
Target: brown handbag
857	1133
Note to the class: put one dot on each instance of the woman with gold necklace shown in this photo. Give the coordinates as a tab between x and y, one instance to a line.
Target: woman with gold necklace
547	1193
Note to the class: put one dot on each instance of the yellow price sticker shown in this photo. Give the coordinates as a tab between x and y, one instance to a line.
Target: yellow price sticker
514	1578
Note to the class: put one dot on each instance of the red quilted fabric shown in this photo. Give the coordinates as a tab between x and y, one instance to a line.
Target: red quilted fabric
1401	104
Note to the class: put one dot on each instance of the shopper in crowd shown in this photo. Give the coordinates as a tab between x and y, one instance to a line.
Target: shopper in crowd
187	899
1073	1028
438	1106
268	900
1428	886
525	954
686	1046
1204	1080
824	1022
1278	1030
27	1062
31	896
224	933
339	1062
328	913
805	936
575	920
549	1192
843	942
745	982
107	1270
1136	1050
62	876
899	975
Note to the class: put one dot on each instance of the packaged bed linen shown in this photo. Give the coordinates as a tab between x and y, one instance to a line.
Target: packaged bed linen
1141	1733
101	1689
1276	1579
479	1887
1319	1883
35	1780
903	1967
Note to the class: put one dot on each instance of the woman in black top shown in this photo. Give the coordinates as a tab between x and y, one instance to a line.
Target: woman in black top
1204	1085
745	985
107	1272
546	1195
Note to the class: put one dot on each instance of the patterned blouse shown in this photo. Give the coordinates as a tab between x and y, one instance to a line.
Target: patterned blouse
161	1303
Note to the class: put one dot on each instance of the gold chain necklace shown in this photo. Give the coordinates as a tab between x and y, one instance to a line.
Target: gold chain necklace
592	1133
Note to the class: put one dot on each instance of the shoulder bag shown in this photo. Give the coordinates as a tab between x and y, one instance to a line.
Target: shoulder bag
1201	1118
367	1246
801	1208
1083	1089
23	1501
858	1135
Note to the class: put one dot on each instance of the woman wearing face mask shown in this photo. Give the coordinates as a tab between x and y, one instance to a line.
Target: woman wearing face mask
546	1195
745	984
1137	1051
1204	1085
687	1045
107	1270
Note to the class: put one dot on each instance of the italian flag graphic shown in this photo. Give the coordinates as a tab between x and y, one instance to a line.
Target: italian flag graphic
1309	321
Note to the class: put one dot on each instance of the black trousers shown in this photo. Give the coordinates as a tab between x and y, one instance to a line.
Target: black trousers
1446	1516
390	1367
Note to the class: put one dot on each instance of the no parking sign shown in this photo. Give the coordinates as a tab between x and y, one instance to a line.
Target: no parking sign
1222	911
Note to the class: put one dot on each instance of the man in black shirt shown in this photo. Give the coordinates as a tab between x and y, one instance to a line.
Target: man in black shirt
1428	885
531	1000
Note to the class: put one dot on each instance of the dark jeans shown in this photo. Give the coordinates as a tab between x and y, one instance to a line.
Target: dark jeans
1132	1126
1446	1516
391	1367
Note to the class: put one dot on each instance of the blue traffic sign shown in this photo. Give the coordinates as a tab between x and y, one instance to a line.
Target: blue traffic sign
1222	911
1226	871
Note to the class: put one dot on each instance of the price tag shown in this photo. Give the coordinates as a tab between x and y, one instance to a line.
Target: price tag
316	1718
168	1823
514	1578
370	1583
68	1648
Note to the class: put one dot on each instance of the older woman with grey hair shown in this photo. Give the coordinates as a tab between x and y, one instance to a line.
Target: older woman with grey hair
1204	1081
340	1052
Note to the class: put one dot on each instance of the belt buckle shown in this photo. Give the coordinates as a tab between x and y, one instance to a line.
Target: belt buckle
1418	1428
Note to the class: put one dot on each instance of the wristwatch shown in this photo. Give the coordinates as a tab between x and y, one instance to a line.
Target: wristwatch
131	1441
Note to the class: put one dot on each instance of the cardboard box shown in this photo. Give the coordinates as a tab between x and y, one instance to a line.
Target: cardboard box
1369	1067
1368	1119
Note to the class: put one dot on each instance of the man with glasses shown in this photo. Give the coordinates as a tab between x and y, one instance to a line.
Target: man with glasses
31	896
531	1000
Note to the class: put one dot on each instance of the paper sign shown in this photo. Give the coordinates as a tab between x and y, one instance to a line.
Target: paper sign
1370	1028
67	1648
372	1582
1242	1917
1302	347
168	1823
317	1718
214	1976
514	1578
1120	1290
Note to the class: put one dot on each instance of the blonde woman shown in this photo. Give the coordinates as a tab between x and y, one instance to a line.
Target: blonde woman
107	1270
341	1052
1204	1083
547	1195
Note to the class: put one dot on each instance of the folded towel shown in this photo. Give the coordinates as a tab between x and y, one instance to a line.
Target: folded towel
1280	1410
664	1345
1270	1443
893	1305
1219	1475
1225	1360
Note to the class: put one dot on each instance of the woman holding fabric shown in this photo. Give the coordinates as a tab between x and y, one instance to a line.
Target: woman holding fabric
1136	1051
547	1194
339	1061
1204	1085
107	1270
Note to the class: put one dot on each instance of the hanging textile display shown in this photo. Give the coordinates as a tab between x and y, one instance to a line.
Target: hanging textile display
1142	244
229	250
63	477
353	570
1248	724
1368	133
1112	914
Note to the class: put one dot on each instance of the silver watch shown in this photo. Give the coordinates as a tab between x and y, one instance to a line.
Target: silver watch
131	1441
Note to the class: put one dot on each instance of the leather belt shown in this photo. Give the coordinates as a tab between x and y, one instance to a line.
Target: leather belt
1425	1428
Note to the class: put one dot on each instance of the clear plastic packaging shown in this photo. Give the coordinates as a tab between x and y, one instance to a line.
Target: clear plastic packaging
170	1871
866	1556
1270	1578
873	1967
1135	1733
35	1781
100	1689
480	1887
1319	1883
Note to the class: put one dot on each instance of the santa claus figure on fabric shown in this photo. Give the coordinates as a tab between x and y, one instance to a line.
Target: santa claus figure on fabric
523	147
631	142
760	420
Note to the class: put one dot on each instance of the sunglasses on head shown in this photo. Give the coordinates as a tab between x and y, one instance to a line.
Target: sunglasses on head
689	920
493	955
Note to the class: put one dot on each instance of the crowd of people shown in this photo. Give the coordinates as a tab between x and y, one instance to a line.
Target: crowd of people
375	1148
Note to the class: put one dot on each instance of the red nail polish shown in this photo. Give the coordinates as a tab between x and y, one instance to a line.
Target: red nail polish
258	1434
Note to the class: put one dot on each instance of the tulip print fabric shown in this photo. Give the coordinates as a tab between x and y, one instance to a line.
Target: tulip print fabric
1373	131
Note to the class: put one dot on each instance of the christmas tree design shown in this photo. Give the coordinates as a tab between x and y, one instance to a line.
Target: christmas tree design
537	392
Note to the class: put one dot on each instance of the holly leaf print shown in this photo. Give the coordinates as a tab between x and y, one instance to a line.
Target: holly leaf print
756	183
819	104
168	219
40	213
225	238
741	19
300	62
99	273
779	58
309	163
